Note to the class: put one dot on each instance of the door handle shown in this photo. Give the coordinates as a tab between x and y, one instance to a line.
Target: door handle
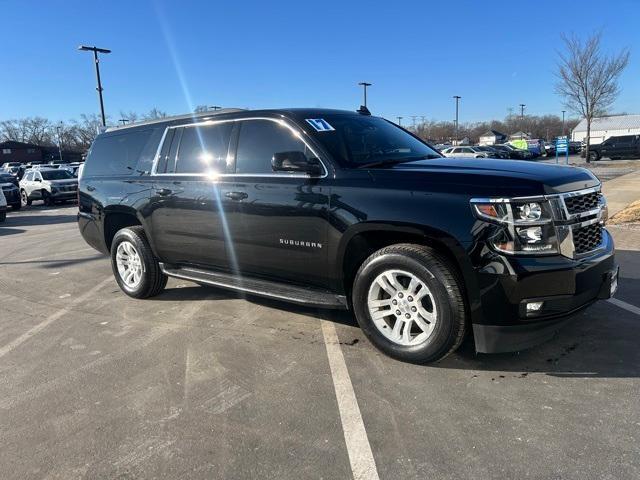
236	195
91	188
163	192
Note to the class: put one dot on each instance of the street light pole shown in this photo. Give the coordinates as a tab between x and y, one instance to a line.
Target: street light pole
563	112
59	130
457	98
95	51
399	120
364	86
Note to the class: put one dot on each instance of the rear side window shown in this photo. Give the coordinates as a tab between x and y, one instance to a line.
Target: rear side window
116	154
260	140
204	149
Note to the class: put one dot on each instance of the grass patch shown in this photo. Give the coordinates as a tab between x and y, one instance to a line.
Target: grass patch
631	214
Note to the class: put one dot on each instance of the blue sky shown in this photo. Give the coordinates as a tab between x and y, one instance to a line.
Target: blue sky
174	55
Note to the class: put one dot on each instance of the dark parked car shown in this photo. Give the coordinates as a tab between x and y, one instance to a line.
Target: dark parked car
335	209
9	186
514	153
615	148
492	152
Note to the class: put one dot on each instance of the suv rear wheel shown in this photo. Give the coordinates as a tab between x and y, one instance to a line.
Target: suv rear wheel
135	267
408	301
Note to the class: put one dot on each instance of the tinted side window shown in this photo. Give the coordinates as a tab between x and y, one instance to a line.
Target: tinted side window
204	149
259	140
116	154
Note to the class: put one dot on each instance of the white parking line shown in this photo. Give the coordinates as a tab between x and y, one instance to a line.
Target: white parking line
51	318
627	306
363	465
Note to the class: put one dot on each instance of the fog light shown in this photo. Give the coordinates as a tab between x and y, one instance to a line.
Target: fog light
533	307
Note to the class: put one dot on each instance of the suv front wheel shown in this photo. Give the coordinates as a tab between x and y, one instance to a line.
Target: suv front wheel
408	301
24	198
135	267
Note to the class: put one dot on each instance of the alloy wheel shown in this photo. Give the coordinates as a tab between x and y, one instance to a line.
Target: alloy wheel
402	307
129	264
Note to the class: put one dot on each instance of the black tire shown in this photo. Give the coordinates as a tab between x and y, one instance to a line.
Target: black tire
46	198
16	206
24	198
594	156
153	280
442	279
3	216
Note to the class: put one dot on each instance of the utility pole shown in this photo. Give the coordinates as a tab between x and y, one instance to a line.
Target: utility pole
413	121
364	86
457	98
95	51
399	120
124	121
59	131
215	107
563	112
522	105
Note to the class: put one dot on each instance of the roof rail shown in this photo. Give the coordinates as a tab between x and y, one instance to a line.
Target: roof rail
174	117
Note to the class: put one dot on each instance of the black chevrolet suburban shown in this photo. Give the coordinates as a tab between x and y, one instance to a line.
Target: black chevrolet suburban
615	148
337	209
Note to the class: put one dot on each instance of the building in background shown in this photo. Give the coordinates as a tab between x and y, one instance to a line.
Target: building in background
519	136
605	127
20	152
492	137
11	151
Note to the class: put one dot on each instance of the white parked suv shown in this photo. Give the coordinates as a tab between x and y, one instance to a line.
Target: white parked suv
49	185
3	207
465	152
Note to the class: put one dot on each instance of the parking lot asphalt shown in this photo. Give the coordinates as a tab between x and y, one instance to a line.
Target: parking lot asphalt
203	383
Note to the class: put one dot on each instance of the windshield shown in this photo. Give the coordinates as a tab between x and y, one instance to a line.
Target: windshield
358	139
56	175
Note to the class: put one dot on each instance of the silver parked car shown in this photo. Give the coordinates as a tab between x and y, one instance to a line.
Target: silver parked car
465	152
48	185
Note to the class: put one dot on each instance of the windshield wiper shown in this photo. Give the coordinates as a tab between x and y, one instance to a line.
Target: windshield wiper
395	161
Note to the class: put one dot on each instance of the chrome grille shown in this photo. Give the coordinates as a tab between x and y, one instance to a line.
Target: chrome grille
582	203
586	239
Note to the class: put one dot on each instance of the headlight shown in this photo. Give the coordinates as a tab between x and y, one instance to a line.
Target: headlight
530	211
522	227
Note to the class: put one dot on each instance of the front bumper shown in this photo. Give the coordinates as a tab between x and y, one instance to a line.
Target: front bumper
65	195
12	196
565	286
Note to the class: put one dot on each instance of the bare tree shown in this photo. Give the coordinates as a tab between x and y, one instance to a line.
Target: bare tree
154	114
588	79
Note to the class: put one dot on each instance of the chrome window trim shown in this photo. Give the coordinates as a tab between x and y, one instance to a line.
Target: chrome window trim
299	134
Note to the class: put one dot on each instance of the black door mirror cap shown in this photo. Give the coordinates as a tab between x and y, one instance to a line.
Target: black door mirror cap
295	161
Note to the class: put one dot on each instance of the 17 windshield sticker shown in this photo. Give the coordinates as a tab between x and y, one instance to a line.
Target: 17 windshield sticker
320	124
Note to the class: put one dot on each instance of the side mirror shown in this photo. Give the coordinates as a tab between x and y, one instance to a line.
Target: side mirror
295	161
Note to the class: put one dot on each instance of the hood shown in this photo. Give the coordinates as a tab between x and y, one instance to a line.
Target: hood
506	177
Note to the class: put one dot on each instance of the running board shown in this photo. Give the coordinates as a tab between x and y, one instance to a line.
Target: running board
264	288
